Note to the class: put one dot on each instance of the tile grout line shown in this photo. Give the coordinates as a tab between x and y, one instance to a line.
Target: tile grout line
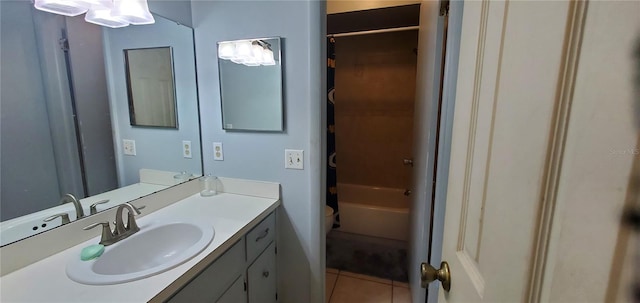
373	278
392	291
339	274
333	287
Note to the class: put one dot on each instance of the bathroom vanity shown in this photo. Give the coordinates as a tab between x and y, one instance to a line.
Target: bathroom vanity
238	265
246	270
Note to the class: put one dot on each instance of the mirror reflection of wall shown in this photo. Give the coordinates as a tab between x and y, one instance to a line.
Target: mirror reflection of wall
157	148
251	92
56	126
64	115
150	87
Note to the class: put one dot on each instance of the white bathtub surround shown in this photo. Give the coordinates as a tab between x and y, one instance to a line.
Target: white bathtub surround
28	251
374	211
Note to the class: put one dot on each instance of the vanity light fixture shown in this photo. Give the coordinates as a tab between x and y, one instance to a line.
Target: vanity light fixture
62	7
109	13
268	57
226	50
247	52
243	52
135	12
104	17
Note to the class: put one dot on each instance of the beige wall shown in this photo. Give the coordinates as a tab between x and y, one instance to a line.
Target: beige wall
375	89
341	6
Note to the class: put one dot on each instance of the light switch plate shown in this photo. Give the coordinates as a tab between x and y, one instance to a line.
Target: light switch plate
293	159
129	147
218	152
186	149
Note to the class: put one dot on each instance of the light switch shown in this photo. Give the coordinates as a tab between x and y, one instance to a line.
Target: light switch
129	147
294	159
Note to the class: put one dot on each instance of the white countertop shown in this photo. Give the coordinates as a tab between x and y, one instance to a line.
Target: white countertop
231	215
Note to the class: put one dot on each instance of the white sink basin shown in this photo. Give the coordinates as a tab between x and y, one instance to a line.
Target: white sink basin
154	249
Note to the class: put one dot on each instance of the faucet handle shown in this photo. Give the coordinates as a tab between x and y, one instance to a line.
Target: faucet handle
131	221
107	234
93	209
64	216
136	209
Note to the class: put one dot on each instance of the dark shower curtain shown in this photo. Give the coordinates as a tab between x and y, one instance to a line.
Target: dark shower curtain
332	189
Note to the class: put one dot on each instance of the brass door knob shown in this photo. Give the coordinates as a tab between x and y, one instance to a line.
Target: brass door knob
429	274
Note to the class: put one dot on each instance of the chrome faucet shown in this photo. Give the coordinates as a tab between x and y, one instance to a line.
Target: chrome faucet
69	198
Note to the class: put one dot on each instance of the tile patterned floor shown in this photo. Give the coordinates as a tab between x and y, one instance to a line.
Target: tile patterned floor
347	287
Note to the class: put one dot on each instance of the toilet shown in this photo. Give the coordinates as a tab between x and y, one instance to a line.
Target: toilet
328	219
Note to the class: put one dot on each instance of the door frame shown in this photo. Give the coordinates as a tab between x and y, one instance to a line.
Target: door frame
450	80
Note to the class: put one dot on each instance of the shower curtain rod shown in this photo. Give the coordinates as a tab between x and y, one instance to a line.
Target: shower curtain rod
376	31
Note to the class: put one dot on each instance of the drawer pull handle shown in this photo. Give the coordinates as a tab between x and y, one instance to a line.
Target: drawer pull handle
265	274
263	235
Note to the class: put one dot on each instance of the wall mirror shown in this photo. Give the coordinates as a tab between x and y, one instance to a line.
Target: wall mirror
150	87
251	84
66	116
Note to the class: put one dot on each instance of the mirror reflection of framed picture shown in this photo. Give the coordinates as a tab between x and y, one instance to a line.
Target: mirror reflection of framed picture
151	87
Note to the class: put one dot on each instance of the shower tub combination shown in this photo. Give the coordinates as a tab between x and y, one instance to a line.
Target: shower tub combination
374	211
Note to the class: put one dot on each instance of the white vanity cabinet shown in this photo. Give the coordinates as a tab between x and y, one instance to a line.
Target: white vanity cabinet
261	277
236	293
246	272
261	258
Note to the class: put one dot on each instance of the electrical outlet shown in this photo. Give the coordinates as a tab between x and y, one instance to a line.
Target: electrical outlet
294	159
186	149
129	147
218	153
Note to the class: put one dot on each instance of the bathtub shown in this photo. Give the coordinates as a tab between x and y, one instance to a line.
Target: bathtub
374	211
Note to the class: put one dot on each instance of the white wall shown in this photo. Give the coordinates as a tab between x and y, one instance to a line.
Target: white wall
157	148
260	156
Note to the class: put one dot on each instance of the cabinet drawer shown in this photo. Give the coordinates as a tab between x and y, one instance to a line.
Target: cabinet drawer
260	236
235	293
212	282
262	277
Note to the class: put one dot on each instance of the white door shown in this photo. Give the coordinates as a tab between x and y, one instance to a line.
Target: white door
543	146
